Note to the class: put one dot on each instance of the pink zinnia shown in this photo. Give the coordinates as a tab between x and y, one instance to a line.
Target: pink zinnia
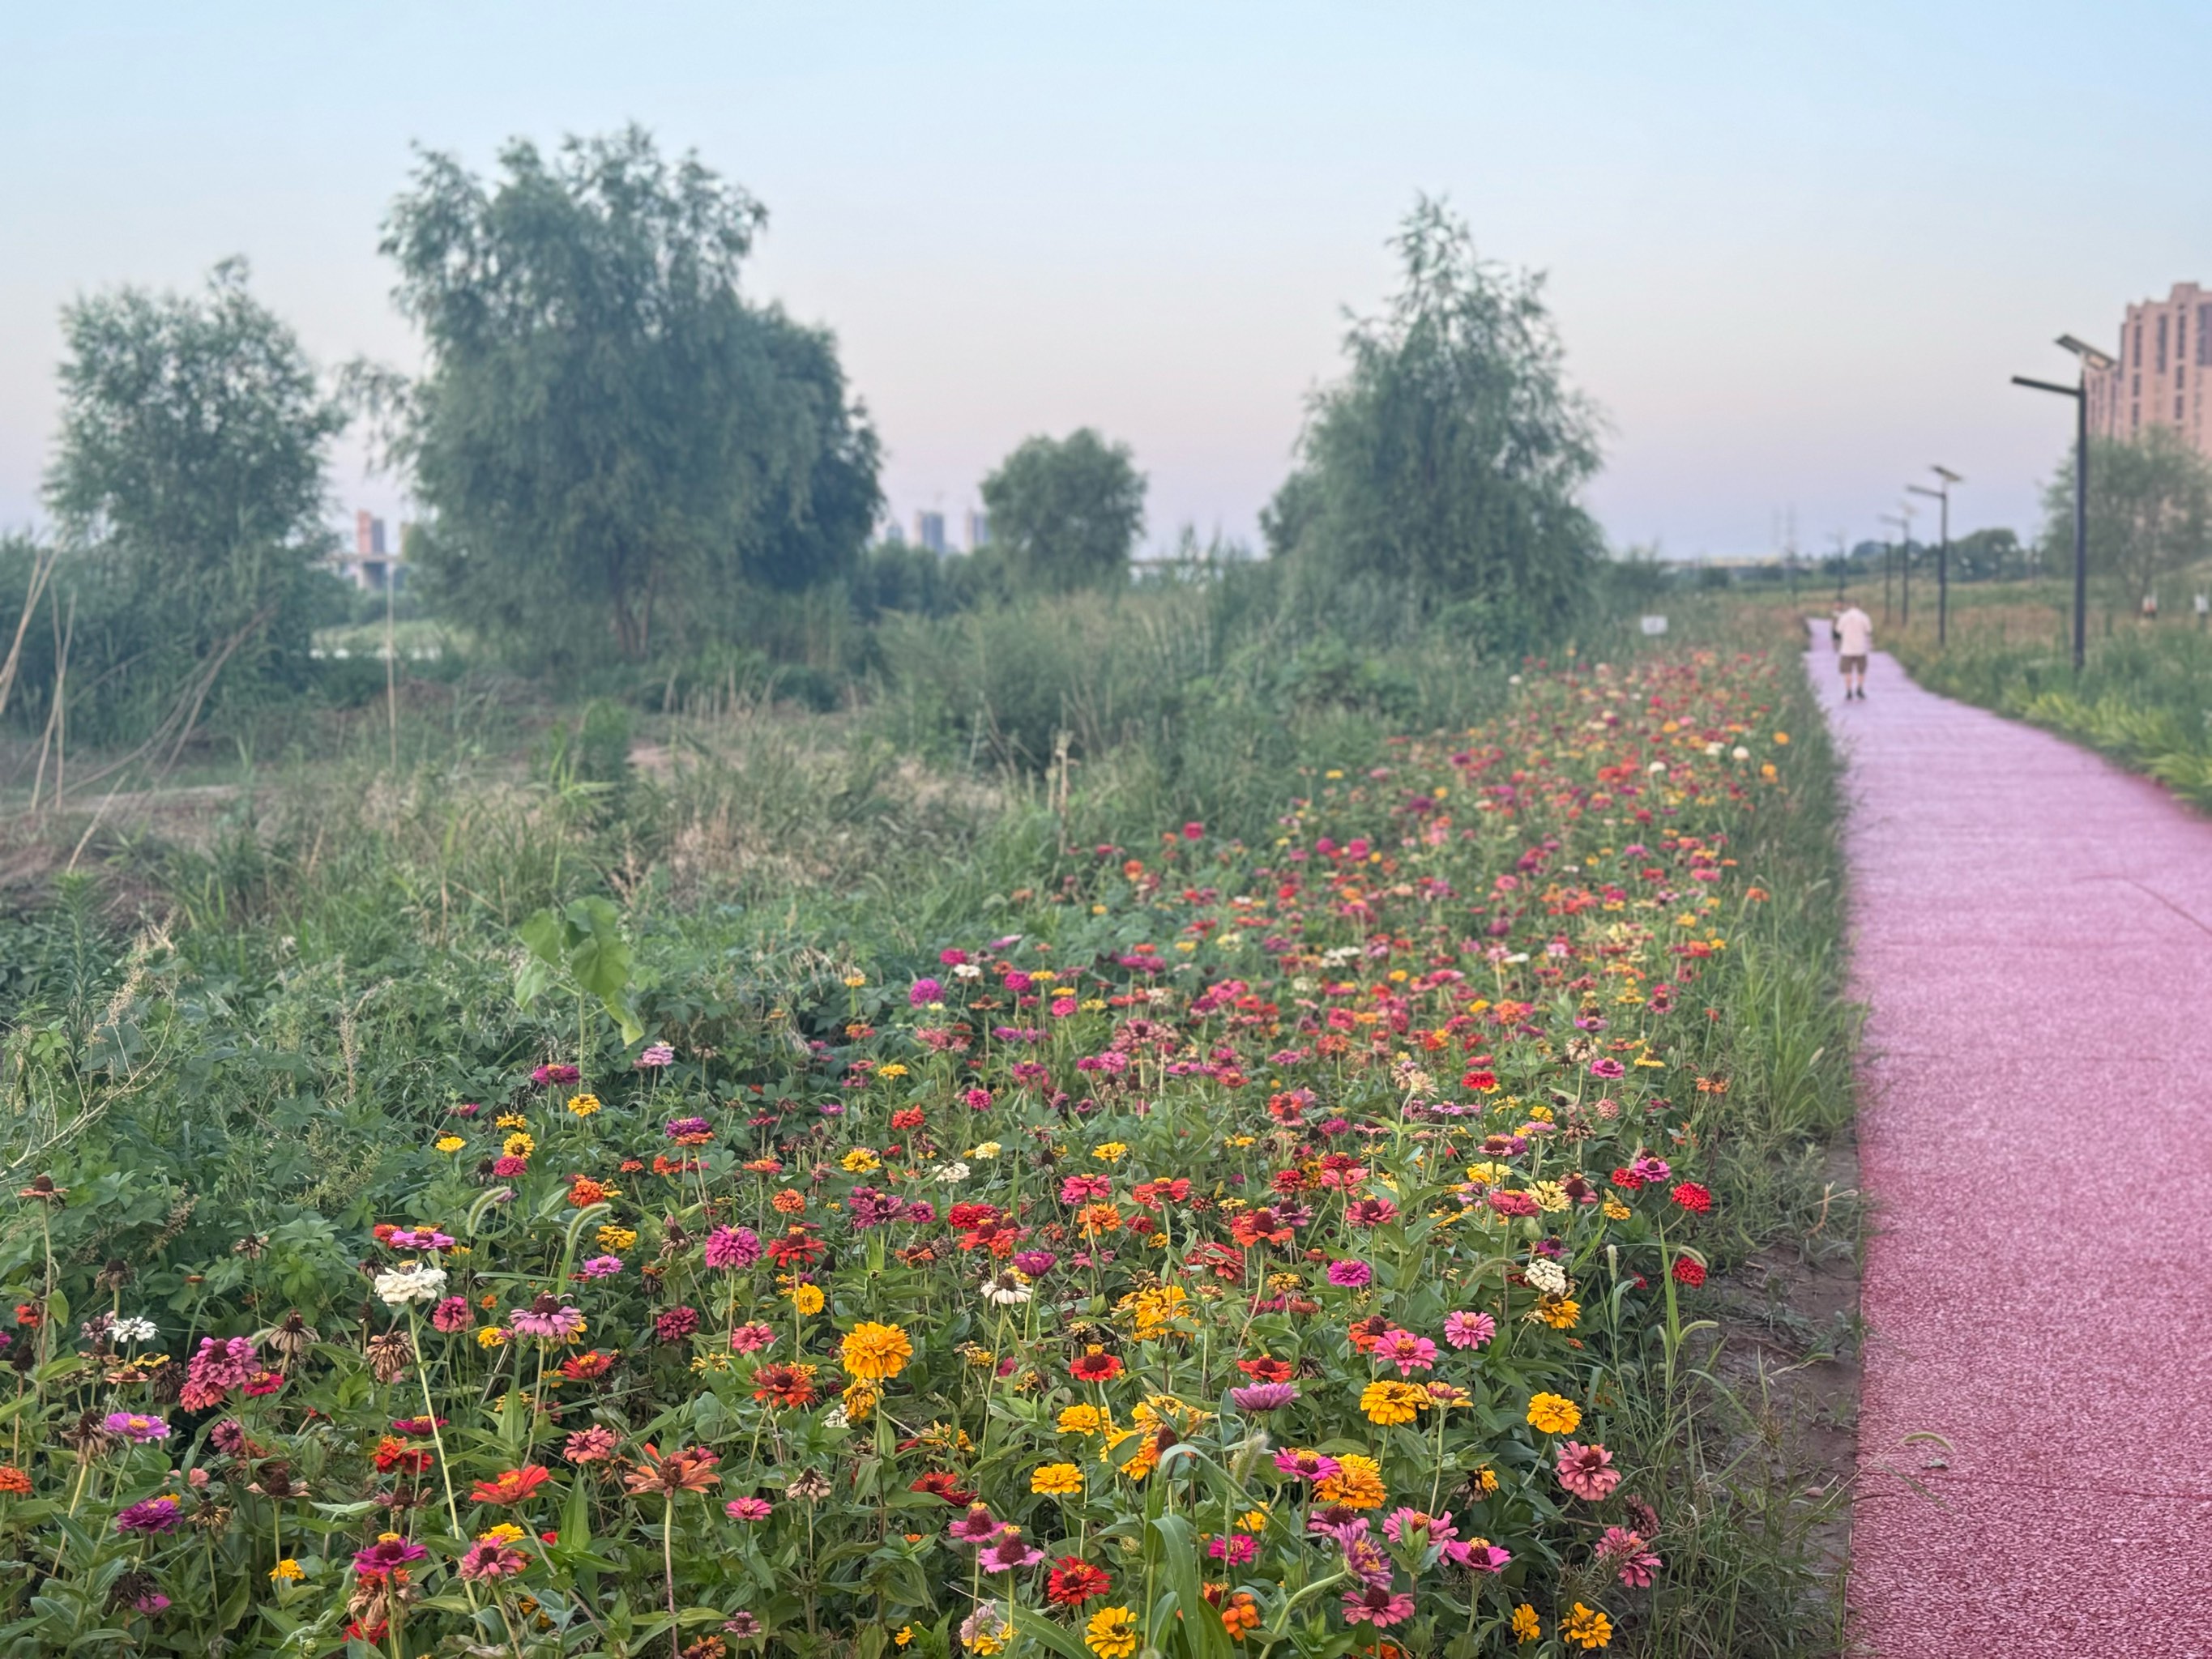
751	1337
730	1248
555	1323
1584	1471
656	1055
977	1525
1441	1528
1236	1549
1350	1275
592	1445
600	1267
748	1509
489	1559
1627	1552
1010	1553
1407	1352
1373	1604
1307	1465
1469	1330
452	1314
1478	1557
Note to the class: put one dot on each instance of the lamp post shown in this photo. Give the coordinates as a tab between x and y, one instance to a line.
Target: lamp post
1903	524
2091	359
1903	519
1942	494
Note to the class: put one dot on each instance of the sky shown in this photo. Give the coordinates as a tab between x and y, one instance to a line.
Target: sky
1794	252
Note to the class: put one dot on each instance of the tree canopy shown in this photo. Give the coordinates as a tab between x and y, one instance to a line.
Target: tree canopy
188	486
1066	514
1448	459
611	441
2150	512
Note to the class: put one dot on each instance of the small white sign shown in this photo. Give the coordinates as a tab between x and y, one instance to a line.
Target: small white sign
1655	624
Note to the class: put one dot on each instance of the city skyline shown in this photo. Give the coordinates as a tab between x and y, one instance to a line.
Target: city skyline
1793	260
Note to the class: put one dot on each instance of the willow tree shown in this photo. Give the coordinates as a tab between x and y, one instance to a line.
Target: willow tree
1449	461
611	441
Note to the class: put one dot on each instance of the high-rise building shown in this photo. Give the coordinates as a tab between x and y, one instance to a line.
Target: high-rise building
369	566
2165	356
929	531
979	529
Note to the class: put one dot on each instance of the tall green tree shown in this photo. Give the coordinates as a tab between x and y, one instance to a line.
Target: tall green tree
614	445
1066	514
2150	512
1448	460
188	487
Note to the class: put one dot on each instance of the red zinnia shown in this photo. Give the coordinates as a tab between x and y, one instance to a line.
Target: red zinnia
1268	1368
512	1486
1692	1197
1073	1580
1688	1271
943	1483
1095	1367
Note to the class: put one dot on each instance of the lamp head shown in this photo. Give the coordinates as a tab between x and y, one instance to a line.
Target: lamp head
1946	475
2090	356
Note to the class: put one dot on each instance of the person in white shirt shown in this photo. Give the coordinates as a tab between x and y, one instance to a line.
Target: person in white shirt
1854	637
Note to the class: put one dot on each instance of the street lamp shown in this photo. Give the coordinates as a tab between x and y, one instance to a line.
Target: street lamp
1942	493
2091	360
1904	523
1903	519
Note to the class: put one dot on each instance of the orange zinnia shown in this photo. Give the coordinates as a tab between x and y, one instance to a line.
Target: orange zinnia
513	1486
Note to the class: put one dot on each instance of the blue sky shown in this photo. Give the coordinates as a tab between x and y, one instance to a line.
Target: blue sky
1794	250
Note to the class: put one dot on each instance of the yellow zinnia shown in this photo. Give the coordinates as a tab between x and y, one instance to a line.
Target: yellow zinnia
1057	1479
1357	1484
1554	1414
875	1353
1389	1403
1111	1633
806	1298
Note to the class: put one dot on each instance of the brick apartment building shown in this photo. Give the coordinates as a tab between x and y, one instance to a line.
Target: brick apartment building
2166	356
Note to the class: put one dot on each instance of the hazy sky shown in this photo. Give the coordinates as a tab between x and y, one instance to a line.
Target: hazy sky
1794	250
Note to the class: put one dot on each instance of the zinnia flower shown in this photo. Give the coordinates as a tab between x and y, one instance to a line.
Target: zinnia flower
1469	1330
398	1286
1111	1633
1586	1471
149	1516
548	1318
386	1556
1305	1465
1264	1397
129	1425
511	1486
1073	1580
1009	1553
1350	1275
1554	1414
679	1470
1407	1352
1628	1554
732	1247
1374	1604
874	1352
748	1509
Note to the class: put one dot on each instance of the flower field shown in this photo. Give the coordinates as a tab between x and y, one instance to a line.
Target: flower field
1287	1246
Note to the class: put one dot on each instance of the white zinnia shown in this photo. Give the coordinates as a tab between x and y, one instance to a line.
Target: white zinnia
954	1171
1547	1276
132	1330
415	1282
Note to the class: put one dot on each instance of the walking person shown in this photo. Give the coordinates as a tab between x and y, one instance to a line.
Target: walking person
1853	633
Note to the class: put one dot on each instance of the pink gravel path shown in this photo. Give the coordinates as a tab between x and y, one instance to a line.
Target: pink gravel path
2032	932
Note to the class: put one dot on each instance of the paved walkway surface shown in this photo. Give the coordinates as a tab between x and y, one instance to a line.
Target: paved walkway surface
2033	936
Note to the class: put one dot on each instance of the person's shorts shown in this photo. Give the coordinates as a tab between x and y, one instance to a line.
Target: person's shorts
1853	664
